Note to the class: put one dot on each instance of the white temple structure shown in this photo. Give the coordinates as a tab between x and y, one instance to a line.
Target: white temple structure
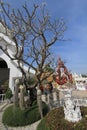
8	68
81	82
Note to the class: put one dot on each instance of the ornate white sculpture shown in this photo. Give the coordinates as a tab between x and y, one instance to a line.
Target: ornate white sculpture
65	80
71	109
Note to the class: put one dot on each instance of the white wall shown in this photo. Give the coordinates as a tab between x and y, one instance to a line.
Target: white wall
12	65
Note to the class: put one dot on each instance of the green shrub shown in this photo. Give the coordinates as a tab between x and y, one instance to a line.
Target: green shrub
17	117
54	120
34	102
44	106
8	94
84	111
42	125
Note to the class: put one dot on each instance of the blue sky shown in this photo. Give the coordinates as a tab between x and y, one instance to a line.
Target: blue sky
74	51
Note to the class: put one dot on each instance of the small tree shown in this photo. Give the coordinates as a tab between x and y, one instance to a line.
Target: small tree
33	33
8	94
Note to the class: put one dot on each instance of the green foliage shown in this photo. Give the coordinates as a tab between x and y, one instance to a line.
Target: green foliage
84	111
49	69
45	108
32	81
17	117
54	120
34	103
13	117
8	93
42	125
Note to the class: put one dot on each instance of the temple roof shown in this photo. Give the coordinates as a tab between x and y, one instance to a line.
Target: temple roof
5	30
6	34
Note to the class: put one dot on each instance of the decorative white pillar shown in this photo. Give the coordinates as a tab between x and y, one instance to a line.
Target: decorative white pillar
39	101
44	98
16	92
55	96
27	100
21	100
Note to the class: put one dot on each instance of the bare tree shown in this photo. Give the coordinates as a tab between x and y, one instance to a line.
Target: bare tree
34	33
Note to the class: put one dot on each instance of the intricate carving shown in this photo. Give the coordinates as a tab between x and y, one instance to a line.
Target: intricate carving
63	75
71	109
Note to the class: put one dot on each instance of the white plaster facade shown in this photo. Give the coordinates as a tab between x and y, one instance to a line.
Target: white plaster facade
12	65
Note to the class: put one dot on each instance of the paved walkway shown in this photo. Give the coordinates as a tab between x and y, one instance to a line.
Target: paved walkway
29	127
2	127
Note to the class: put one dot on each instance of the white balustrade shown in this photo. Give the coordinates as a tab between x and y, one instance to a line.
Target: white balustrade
2	97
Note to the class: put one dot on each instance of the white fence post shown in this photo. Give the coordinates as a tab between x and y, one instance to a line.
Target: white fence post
2	96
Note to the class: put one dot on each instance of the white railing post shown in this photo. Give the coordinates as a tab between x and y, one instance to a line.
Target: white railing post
2	97
39	101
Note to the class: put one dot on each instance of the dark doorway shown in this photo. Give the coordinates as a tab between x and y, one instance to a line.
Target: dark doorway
3	64
4	76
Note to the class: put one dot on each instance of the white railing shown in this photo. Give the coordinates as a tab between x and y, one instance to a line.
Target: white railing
78	101
2	97
56	102
81	102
